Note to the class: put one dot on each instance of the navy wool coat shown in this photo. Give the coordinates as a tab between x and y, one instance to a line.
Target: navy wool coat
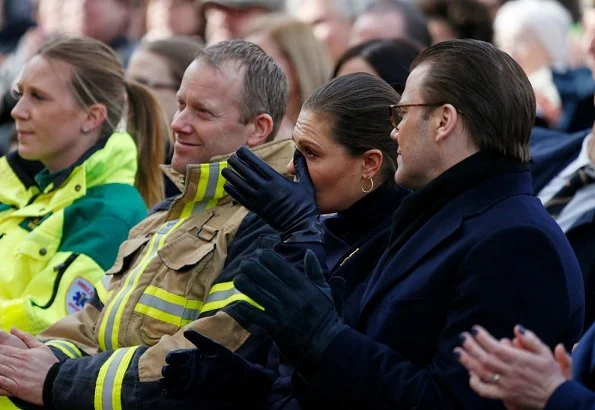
492	256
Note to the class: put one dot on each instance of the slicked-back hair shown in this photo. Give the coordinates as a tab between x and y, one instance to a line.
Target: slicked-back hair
356	106
490	90
265	86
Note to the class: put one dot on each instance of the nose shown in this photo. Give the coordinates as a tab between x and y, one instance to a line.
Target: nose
179	125
291	168
394	134
20	112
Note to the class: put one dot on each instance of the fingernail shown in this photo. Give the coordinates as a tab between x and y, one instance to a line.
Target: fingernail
474	330
456	354
522	329
462	338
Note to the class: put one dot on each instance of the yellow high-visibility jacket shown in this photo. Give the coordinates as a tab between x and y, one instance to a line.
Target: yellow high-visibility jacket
59	232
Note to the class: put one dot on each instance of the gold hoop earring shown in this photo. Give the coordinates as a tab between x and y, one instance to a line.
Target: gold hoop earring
367	191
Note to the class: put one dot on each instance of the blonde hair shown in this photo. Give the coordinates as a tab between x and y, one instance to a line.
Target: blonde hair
295	39
98	78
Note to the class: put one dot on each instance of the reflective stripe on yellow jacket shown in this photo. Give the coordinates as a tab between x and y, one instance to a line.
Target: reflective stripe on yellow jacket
158	287
60	232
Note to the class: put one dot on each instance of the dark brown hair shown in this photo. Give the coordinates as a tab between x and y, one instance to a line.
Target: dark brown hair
488	87
357	107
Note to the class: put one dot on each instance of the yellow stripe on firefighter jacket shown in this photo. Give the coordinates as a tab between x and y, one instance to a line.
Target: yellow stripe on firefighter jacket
60	232
165	280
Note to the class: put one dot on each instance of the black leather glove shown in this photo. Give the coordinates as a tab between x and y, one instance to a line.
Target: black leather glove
213	374
287	206
299	312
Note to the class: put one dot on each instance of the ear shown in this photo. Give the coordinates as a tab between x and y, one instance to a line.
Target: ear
372	162
262	126
96	115
445	120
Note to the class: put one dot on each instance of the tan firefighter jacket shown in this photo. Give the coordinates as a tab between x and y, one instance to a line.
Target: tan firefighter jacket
165	277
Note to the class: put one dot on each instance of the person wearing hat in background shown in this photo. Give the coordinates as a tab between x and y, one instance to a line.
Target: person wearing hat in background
226	19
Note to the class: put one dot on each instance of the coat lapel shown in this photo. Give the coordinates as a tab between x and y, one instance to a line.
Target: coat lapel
394	267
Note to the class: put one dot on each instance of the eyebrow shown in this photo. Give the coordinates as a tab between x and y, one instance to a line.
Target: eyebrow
19	86
307	141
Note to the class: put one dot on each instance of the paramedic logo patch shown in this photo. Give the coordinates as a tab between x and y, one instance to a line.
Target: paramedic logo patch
79	292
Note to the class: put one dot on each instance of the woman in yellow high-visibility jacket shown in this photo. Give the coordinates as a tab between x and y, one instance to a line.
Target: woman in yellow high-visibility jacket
68	195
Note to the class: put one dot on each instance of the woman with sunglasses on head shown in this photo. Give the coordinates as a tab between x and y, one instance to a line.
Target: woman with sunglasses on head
68	196
344	165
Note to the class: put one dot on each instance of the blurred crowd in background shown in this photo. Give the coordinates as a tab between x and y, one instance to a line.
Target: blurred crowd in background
313	40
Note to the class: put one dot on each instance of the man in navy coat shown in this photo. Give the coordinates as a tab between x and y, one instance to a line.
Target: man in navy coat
470	245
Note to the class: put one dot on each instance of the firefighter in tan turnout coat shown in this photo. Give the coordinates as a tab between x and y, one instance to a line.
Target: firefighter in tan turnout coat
167	275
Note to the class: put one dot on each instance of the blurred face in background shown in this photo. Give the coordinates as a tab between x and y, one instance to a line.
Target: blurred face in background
440	30
373	25
330	25
104	20
152	70
226	23
173	18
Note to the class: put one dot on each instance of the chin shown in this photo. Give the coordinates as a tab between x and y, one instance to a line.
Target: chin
179	166
403	180
27	153
400	179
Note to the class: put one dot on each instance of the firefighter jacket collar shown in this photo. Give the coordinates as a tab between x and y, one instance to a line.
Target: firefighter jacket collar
202	187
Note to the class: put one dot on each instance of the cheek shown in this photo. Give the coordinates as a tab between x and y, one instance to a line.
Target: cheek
221	139
333	186
321	181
